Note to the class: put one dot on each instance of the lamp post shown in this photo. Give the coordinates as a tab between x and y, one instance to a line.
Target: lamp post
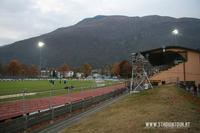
40	45
131	85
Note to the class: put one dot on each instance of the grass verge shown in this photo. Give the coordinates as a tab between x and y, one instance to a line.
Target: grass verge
162	104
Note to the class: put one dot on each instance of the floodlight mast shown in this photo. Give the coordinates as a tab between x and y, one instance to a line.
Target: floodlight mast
132	59
40	45
141	77
175	33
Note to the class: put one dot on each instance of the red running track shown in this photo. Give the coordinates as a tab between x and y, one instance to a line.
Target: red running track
18	108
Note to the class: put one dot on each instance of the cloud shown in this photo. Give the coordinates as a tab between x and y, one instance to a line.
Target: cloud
10	35
49	6
21	19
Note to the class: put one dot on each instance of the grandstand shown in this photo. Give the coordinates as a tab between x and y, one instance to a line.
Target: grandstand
174	64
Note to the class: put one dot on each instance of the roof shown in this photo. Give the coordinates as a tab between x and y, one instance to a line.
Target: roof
171	47
158	57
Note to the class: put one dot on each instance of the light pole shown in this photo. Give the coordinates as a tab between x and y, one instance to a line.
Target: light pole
131	85
40	45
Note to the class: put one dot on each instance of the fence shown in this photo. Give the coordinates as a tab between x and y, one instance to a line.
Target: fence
190	87
25	122
12	90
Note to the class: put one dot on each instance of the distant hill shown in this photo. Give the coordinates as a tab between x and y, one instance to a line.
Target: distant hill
104	40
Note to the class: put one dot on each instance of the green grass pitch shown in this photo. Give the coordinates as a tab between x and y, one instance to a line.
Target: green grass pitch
43	88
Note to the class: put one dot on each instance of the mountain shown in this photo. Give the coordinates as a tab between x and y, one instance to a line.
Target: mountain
104	40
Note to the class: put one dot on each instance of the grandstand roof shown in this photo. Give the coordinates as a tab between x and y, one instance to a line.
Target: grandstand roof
166	56
171	47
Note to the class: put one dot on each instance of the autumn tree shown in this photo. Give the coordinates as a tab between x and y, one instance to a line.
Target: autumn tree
24	71
77	69
86	69
125	69
63	68
115	69
14	67
33	71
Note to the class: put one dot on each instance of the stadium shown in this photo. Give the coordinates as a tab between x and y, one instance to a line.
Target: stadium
99	66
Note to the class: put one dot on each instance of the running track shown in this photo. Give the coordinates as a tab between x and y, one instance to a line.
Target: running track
18	108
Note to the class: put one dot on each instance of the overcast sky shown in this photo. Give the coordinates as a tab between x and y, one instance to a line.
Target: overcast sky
21	19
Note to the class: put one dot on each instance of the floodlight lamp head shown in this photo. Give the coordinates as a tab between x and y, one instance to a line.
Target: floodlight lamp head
133	54
163	49
175	32
40	44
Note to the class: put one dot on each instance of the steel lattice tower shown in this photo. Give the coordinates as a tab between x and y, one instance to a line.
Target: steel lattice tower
140	68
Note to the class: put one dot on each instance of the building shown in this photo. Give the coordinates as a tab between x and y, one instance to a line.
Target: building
66	74
45	73
69	74
79	75
173	63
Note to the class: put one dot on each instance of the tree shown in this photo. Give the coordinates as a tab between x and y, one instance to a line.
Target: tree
86	69
125	69
33	71
14	67
63	69
24	71
1	69
77	69
115	69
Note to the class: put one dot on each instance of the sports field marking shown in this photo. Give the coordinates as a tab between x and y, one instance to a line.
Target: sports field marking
16	95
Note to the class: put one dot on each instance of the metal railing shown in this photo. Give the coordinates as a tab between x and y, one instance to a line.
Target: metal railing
190	87
26	121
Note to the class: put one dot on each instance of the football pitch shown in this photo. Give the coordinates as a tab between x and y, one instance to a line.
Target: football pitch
19	89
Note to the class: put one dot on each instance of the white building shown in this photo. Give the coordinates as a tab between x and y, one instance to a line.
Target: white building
45	73
79	75
69	74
